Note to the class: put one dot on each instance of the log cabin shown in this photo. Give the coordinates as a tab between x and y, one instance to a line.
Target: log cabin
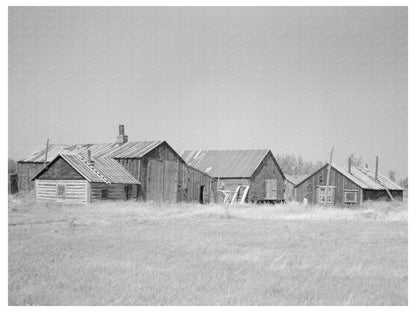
71	178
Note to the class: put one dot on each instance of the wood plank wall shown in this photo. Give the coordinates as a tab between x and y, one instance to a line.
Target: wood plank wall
75	191
308	187
115	191
265	171
26	171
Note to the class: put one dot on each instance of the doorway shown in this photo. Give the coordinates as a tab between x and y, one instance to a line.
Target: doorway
201	194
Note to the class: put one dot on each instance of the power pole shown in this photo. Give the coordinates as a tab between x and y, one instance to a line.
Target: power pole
328	175
46	153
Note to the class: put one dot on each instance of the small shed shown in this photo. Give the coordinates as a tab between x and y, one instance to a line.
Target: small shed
290	183
347	186
71	178
253	175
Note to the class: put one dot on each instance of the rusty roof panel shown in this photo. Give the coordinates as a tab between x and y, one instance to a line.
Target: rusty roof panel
225	163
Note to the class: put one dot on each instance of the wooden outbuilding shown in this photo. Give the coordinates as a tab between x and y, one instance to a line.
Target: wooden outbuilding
290	183
347	186
251	175
162	173
71	178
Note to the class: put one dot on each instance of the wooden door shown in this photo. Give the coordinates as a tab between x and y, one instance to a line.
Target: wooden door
271	189
170	181
154	187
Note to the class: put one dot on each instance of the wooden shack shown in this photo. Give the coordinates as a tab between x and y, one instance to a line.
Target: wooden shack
290	183
162	173
71	178
347	186
252	175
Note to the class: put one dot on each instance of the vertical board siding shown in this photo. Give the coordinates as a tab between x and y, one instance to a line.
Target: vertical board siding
25	172
308	187
75	190
266	170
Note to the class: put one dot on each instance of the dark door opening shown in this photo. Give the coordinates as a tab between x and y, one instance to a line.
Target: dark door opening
201	194
127	189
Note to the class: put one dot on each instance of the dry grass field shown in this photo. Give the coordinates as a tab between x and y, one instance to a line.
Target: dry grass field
130	253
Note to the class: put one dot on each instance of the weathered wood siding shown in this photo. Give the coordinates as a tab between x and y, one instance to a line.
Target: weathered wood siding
308	187
25	172
75	191
60	170
289	191
190	181
266	170
168	178
115	191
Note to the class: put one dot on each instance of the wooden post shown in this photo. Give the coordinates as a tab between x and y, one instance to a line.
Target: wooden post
376	175
349	165
328	175
46	153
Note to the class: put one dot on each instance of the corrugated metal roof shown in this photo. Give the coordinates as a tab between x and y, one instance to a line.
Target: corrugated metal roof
115	150
134	149
104	169
225	163
363	177
54	150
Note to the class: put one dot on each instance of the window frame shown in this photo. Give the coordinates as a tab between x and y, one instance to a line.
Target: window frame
322	188
104	190
355	192
60	192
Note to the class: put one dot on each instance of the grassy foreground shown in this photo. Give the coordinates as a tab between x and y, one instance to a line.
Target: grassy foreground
131	253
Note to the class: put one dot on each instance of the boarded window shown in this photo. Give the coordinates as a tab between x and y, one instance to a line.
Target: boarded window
323	196
350	197
60	191
104	194
271	189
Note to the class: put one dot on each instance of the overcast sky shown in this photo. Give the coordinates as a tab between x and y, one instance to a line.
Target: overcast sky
293	80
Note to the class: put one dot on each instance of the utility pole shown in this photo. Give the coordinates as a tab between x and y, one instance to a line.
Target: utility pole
46	153
328	175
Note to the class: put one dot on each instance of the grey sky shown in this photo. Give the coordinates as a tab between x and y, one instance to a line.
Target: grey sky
295	80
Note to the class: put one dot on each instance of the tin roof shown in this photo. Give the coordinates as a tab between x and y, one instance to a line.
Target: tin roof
134	149
104	169
115	150
363	177
225	163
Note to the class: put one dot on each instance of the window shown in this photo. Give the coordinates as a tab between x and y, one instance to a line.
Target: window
60	191
350	197
323	196
104	194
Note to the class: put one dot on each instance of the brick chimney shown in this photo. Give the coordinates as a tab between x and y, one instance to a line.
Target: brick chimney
121	138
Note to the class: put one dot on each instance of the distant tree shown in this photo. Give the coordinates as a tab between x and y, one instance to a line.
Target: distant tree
392	175
12	166
355	161
403	183
296	165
